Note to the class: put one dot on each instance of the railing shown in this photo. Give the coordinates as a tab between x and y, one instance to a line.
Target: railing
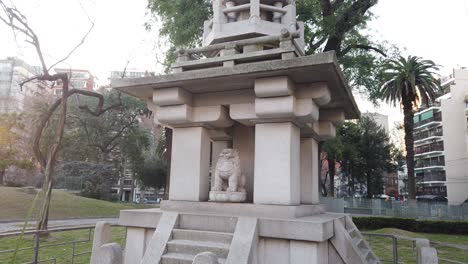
433	176
404	249
429	120
427	134
439	146
36	242
380	207
429	163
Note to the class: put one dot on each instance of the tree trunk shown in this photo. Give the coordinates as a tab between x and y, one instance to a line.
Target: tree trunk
331	174
2	175
43	221
168	134
368	185
121	185
409	143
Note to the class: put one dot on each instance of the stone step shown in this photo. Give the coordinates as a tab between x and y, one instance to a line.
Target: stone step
180	258
352	232
185	234
195	247
213	223
359	242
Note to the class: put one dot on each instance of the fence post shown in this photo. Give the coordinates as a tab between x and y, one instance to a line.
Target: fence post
36	247
395	250
425	254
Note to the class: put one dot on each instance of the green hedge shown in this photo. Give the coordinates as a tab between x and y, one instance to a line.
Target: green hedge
412	225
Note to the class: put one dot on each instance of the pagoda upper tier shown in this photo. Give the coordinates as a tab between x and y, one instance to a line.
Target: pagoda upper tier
243	19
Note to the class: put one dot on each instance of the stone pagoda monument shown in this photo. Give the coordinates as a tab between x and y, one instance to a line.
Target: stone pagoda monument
248	110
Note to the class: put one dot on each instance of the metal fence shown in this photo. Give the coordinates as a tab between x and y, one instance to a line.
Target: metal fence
63	245
380	207
396	249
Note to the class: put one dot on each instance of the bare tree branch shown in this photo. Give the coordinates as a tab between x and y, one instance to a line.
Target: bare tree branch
336	4
315	46
75	48
364	47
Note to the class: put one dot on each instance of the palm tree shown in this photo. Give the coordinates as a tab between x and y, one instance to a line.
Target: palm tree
409	80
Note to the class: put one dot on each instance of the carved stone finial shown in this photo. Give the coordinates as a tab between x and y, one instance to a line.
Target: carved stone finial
229	183
285	33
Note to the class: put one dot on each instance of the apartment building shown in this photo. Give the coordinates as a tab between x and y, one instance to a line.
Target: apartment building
79	79
441	142
13	71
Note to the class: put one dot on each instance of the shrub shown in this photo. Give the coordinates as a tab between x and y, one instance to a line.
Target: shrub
412	225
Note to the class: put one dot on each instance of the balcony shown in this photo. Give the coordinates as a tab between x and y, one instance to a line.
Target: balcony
432	133
432	176
426	149
436	119
426	164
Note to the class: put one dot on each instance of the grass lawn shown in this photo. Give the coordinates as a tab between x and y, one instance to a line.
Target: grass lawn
383	246
61	253
15	204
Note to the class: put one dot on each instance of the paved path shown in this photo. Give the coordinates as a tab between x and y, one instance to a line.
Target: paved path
14	226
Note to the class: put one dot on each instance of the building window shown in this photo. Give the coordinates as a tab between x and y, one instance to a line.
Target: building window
128	182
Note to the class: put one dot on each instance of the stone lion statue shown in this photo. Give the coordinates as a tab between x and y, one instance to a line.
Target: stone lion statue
228	176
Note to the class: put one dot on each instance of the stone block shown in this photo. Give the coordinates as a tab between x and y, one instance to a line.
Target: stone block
244	243
136	245
228	197
171	96
275	107
157	245
174	114
277	164
189	182
275	86
309	171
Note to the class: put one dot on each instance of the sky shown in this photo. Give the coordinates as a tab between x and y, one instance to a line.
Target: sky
432	29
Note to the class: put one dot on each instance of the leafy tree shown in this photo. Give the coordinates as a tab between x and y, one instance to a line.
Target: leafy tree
11	128
153	171
47	158
329	26
99	139
116	137
408	80
364	152
374	156
334	150
92	180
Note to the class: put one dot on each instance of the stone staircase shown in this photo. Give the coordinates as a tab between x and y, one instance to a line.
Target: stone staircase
359	243
196	234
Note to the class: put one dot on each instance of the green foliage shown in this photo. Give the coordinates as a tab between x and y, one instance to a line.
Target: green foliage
93	180
410	79
153	170
11	133
182	20
115	135
341	28
364	152
423	226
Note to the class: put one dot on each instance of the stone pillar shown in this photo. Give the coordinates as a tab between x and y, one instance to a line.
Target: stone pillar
277	165
190	164
254	11
309	171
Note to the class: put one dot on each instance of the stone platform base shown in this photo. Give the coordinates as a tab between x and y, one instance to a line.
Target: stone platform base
231	197
243	209
181	230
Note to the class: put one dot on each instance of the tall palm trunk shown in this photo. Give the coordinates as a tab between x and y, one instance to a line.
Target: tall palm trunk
409	143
